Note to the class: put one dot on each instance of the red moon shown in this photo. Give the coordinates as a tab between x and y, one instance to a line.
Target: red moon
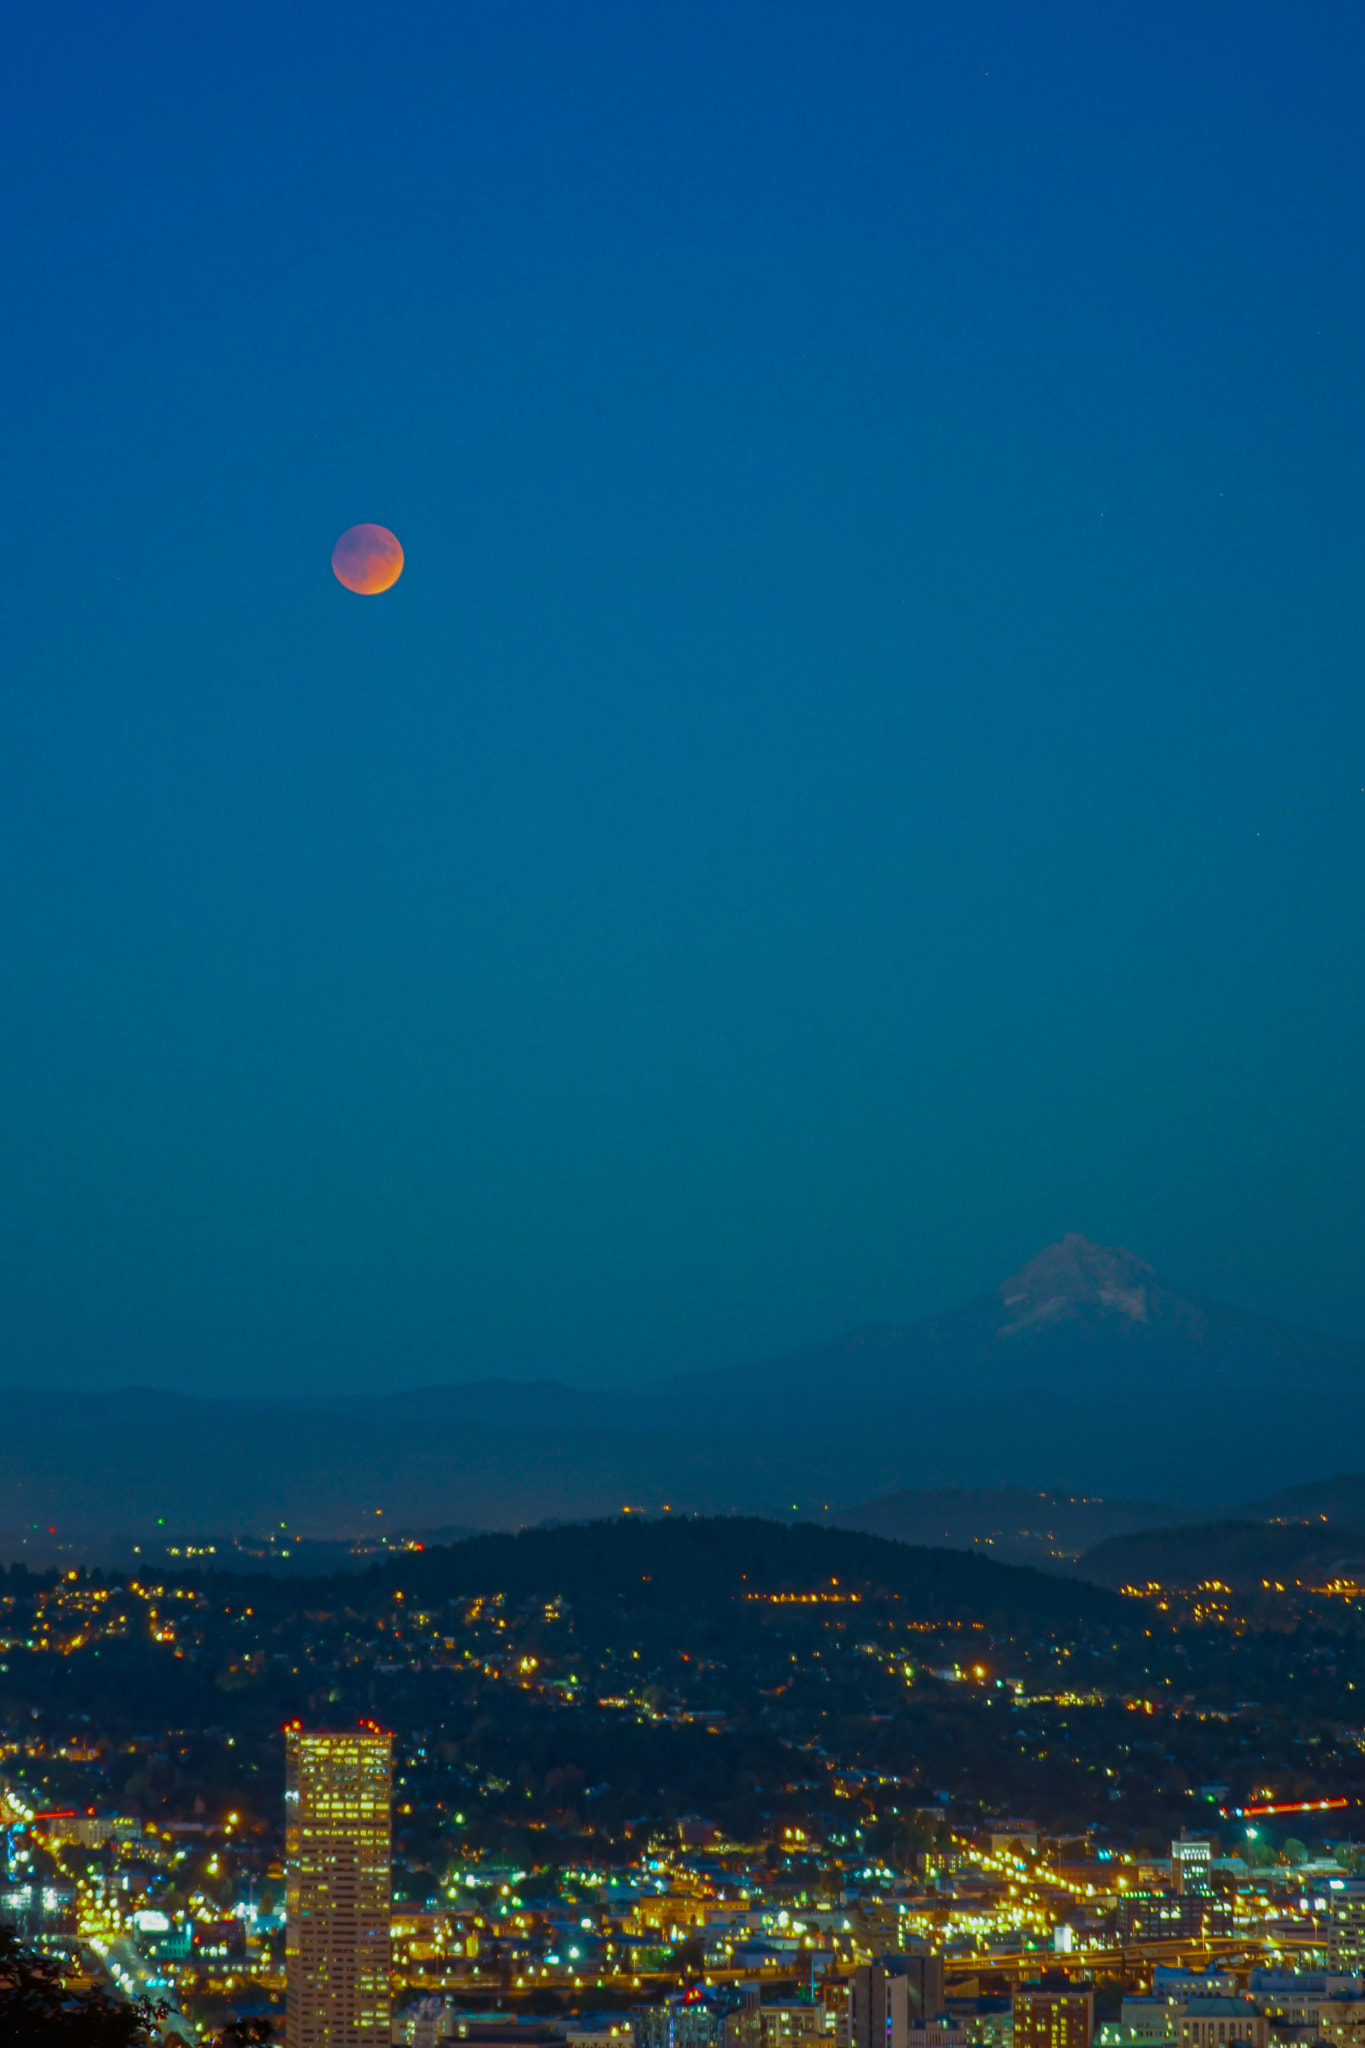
368	560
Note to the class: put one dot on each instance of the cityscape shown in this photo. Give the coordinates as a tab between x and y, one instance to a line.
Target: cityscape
682	1782
682	1117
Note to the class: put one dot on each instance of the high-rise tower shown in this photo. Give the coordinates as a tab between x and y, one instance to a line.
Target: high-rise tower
339	1886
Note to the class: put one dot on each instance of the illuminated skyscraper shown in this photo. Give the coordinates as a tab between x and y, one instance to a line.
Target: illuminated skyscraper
339	1887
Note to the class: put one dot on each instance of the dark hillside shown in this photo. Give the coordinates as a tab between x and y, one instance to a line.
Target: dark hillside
1341	1499
690	1562
1242	1555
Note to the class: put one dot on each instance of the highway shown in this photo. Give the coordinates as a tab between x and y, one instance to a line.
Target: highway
130	1973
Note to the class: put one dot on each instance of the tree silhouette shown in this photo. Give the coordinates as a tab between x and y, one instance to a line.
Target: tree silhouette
38	2011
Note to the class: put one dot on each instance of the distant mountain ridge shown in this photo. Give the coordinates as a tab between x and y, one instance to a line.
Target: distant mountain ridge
1084	1374
1339	1499
1084	1371
1012	1523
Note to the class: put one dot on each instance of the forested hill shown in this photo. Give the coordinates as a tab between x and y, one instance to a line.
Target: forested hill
1243	1555
686	1563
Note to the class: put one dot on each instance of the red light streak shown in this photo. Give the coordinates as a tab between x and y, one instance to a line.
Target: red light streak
1295	1806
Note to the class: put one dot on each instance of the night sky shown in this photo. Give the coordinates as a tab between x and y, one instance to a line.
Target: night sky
863	771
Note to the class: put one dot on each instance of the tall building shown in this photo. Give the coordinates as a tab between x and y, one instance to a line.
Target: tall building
1346	1927
886	1996
1053	2013
339	1889
923	1973
879	2007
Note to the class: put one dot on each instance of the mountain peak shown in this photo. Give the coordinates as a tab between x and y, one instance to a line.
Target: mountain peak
1070	1281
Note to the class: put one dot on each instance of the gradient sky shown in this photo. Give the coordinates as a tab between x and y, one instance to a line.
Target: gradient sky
864	770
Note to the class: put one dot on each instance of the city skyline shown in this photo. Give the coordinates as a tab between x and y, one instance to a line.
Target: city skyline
563	1841
682	1127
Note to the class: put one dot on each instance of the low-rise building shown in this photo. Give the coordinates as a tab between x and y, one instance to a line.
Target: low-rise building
1192	1863
684	2020
422	1938
1004	1833
1171	1982
1214	2022
598	2030
984	2022
783	2022
38	1909
943	2032
1271	1988
1340	2019
1165	1916
669	1913
92	1830
1346	1926
1142	2023
1053	2012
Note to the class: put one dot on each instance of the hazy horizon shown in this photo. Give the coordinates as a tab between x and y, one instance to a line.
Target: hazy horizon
324	1390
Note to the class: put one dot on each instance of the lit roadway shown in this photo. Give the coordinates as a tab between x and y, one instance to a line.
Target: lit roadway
130	1973
1121	1957
1016	1964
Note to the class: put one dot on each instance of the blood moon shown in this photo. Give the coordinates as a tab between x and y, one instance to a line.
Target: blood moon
368	560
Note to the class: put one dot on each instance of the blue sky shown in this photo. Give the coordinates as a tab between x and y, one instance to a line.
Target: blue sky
864	770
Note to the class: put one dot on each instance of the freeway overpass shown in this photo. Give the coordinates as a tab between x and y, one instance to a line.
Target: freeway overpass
1133	1958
